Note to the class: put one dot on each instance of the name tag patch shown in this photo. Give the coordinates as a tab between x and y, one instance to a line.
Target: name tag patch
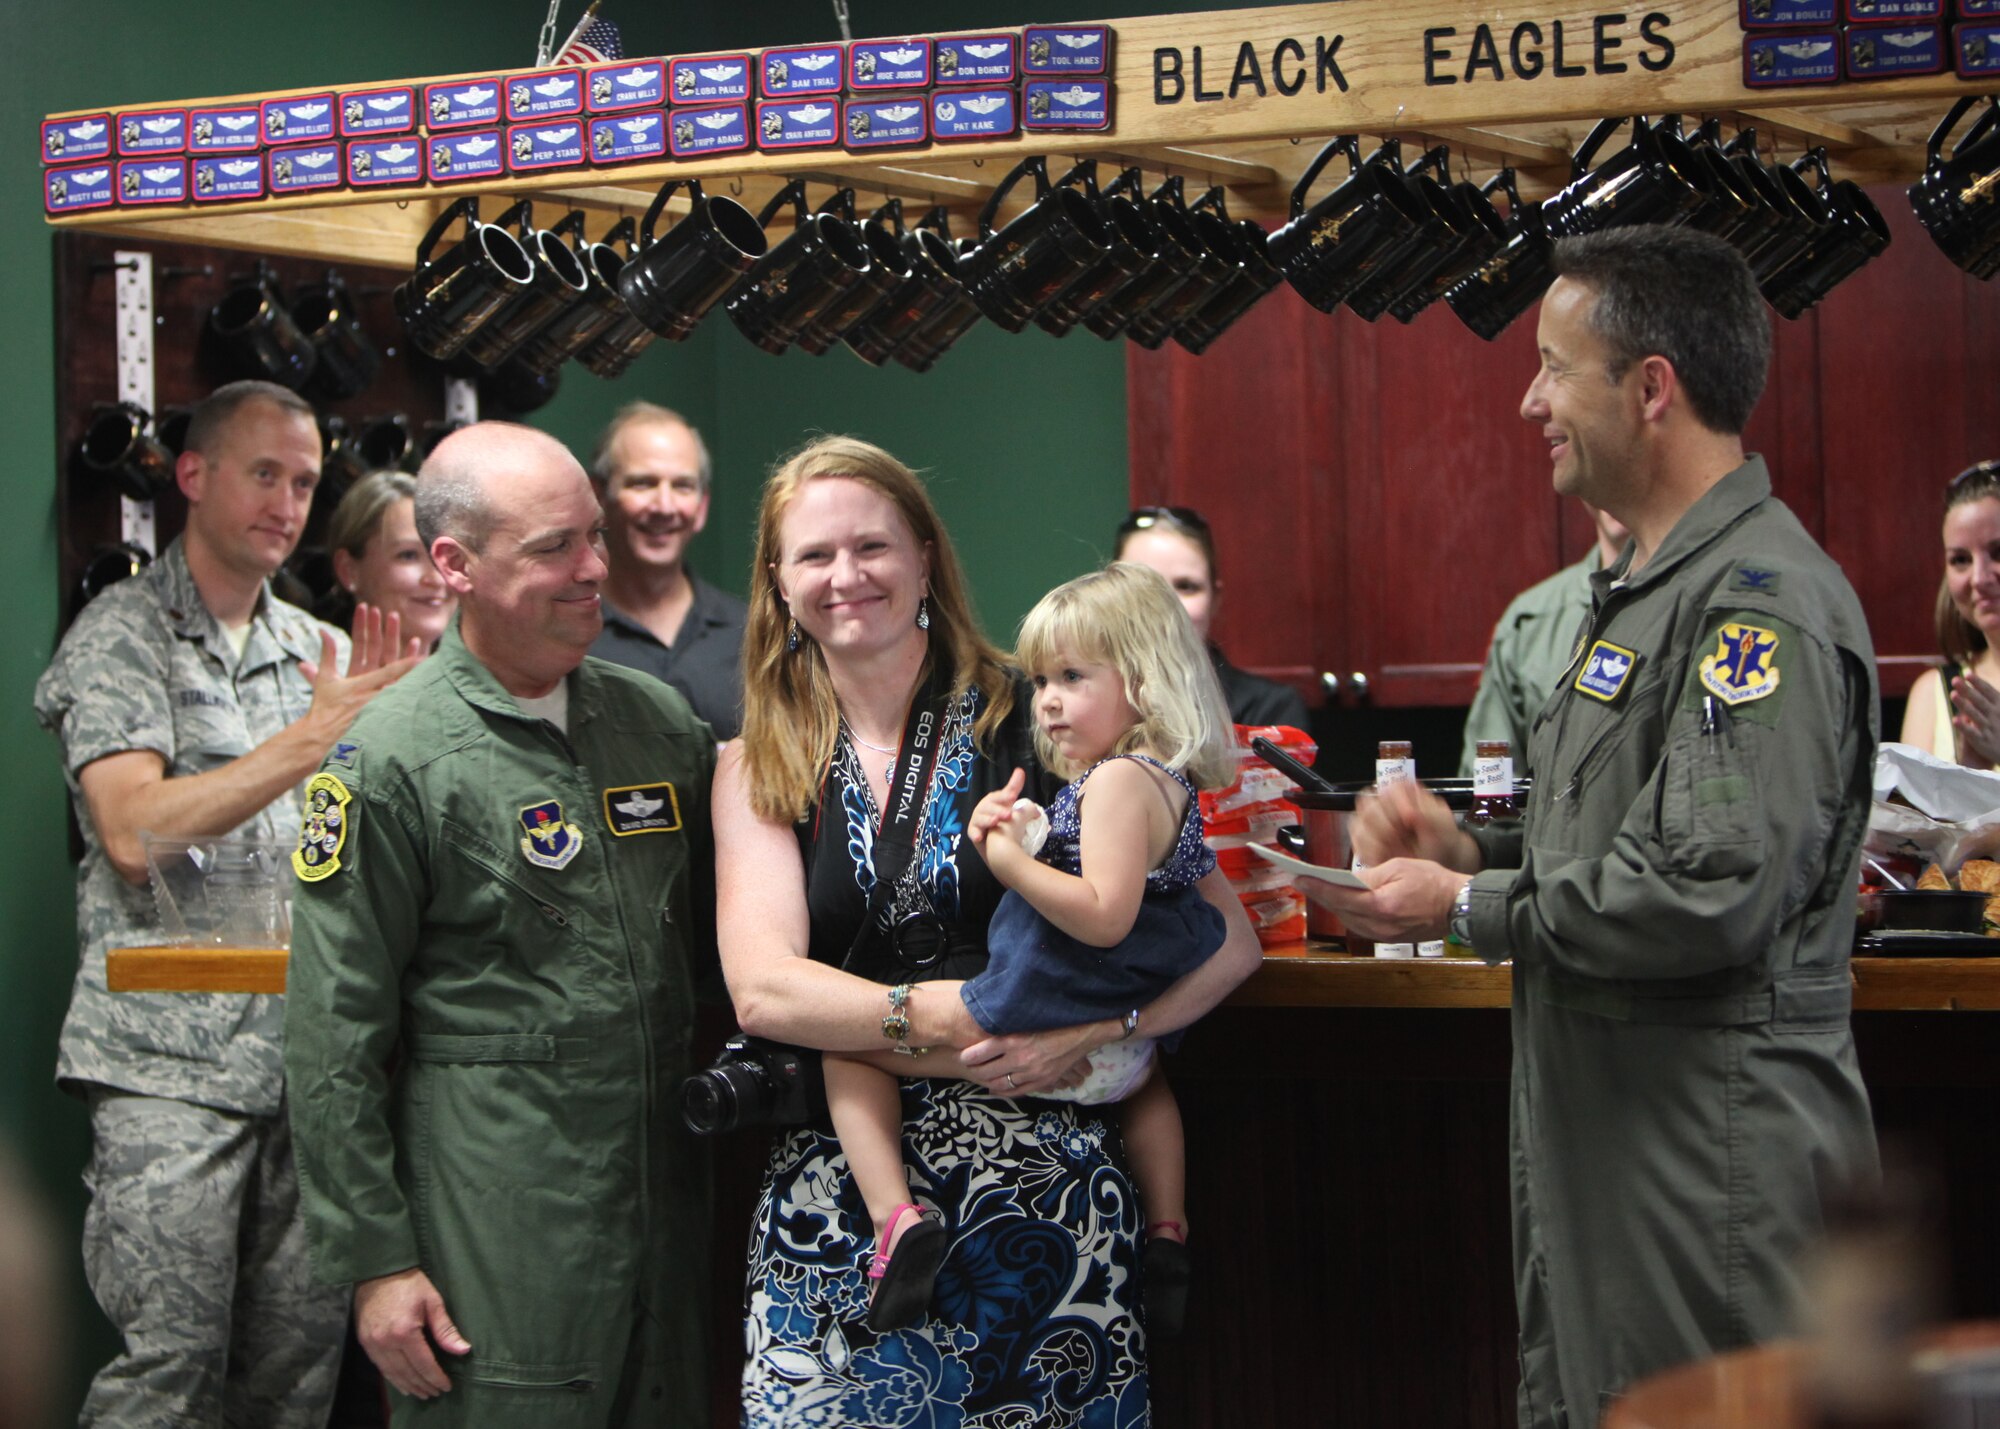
642	809
1606	669
1744	666
323	830
549	842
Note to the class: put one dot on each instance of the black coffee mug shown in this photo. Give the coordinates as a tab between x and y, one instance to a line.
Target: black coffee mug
340	464
931	288
1174	264
888	266
1134	246
1856	232
613	350
1958	198
799	278
1219	260
1256	276
171	427
1015	272
1655	178
1490	297
949	319
109	565
1733	210
1803	216
1483	233
453	294
256	337
583	322
116	446
559	282
347	360
384	444
1328	250
669	283
1449	225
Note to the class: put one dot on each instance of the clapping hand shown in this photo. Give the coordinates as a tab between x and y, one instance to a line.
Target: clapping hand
1976	717
380	658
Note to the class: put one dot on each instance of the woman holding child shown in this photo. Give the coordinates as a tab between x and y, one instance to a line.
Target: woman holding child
852	902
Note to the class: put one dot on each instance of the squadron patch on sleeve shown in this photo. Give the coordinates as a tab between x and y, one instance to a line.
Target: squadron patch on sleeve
642	809
549	842
323	830
1744	666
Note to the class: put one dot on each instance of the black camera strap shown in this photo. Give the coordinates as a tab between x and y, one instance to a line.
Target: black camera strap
902	819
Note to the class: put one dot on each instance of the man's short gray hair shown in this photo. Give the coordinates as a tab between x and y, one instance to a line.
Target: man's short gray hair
451	501
627	415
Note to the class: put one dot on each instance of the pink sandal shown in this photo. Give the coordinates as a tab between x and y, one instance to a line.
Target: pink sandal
901	1278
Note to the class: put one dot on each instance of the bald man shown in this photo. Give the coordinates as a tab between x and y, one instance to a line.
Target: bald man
504	881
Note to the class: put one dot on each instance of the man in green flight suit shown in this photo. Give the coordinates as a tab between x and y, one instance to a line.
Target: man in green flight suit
1679	899
505	883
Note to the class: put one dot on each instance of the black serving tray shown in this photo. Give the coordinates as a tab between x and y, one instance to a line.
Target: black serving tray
1913	943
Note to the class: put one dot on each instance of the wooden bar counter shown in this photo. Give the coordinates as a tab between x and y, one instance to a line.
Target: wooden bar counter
1299	975
1348	1171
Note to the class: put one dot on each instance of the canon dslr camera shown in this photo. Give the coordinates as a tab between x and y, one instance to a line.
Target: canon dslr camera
754	1083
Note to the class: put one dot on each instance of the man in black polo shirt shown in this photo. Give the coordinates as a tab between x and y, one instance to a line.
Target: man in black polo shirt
652	473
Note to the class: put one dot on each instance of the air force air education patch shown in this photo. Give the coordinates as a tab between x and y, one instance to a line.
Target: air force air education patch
1606	669
642	809
1744	666
323	831
549	842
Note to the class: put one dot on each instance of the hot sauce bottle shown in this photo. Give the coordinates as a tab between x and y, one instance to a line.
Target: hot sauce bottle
1395	760
1493	783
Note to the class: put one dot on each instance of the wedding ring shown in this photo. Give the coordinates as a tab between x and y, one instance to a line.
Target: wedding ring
1010	1081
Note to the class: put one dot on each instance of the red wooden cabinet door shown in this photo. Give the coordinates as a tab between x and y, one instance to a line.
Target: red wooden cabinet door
1909	394
1247	434
1451	510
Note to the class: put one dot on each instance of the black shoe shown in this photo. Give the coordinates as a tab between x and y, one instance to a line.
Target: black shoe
903	1291
1163	1281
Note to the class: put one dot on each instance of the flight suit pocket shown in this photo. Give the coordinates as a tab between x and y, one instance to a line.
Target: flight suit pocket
1708	803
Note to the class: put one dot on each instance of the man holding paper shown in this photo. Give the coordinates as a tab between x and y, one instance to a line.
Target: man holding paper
1678	902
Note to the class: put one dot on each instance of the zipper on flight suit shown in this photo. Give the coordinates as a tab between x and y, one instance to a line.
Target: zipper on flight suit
1598	620
651	1091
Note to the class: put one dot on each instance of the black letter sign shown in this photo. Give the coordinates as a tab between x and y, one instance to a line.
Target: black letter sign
1654	28
1323	52
1298	80
1168	86
1433	52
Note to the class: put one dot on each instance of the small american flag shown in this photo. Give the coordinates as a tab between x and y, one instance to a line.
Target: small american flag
595	42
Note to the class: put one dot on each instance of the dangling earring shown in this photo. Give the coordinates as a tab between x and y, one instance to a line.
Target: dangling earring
792	635
924	613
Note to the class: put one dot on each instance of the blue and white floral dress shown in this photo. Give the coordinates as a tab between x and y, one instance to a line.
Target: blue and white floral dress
1034	1321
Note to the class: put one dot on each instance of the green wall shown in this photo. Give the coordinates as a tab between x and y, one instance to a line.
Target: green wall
1023	437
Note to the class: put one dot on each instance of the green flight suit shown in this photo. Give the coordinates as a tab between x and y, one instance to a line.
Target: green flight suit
494	945
1679	905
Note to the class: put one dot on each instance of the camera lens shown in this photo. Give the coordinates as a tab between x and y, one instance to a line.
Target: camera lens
726	1096
921	940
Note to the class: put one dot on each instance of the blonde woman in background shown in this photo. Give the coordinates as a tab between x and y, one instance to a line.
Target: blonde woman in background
1954	712
379	561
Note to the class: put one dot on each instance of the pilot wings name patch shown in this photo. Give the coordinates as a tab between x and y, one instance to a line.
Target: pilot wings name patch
1606	669
642	809
1744	666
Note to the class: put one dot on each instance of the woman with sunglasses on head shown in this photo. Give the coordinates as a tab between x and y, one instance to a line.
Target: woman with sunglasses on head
1954	712
379	561
849	904
1176	542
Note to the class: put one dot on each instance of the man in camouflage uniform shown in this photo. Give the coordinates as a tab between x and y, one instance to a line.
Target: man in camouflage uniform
505	880
1678	901
191	703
